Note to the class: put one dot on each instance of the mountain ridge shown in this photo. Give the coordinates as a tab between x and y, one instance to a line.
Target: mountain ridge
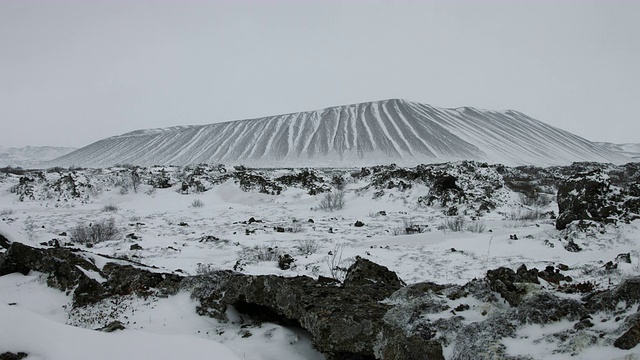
369	133
29	156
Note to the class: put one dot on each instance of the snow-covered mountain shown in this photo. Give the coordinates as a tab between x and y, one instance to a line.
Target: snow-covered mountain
29	156
389	131
628	150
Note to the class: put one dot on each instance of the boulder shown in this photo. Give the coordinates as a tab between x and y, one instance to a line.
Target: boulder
586	196
627	292
509	284
631	337
285	261
376	280
346	322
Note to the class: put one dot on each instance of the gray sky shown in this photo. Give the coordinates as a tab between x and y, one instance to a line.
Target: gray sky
74	72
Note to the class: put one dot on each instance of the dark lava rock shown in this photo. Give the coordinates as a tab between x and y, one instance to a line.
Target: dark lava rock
113	326
60	264
571	246
358	224
62	267
482	340
127	279
4	242
544	308
285	261
624	258
553	275
585	196
13	356
630	338
508	283
377	280
345	322
628	291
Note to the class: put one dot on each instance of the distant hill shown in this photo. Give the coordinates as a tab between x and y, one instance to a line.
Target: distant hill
389	131
29	156
628	150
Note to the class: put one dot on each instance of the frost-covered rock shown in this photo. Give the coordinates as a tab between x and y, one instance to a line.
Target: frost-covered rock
346	322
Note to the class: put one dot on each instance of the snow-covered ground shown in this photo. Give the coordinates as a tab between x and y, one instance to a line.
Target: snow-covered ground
197	232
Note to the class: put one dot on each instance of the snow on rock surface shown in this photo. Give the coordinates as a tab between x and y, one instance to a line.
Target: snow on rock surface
488	274
390	131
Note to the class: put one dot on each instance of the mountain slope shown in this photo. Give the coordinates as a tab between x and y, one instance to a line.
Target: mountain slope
352	135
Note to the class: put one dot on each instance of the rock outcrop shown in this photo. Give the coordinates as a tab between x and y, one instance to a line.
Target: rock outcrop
592	196
372	314
69	271
346	322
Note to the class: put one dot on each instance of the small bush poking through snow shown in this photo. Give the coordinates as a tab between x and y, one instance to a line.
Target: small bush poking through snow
334	262
261	253
204	269
331	201
453	224
197	203
308	246
476	227
109	208
94	233
526	215
296	226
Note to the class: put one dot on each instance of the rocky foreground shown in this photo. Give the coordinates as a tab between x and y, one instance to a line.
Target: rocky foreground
372	314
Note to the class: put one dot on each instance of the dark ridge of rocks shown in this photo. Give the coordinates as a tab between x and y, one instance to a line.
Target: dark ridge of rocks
13	356
113	326
127	279
592	196
628	291
631	338
372	315
583	197
4	242
63	268
345	322
509	283
544	308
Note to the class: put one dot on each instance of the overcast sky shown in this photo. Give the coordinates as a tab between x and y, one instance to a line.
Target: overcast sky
74	72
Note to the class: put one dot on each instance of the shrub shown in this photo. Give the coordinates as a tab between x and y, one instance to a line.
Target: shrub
110	208
331	201
453	224
333	261
204	269
476	227
307	246
197	203
296	226
535	199
526	215
94	233
261	253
